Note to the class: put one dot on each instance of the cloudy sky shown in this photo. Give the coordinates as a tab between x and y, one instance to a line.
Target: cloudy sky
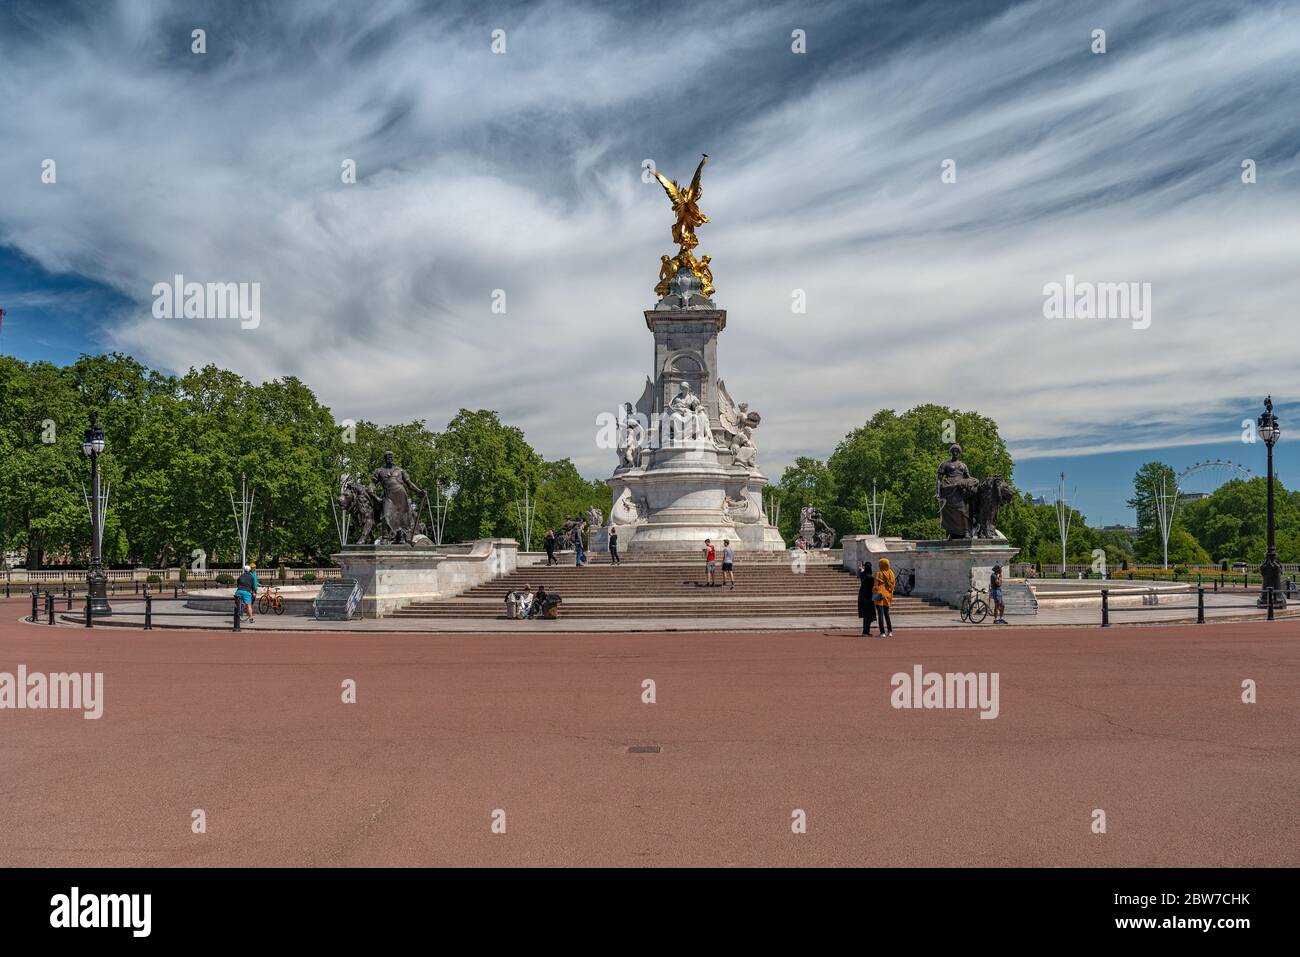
521	171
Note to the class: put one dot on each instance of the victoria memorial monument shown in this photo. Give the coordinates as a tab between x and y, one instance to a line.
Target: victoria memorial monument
687	460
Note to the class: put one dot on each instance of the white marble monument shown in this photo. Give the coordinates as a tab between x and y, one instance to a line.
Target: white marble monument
687	462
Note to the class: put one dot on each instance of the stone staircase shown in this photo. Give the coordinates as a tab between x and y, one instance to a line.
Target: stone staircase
1019	598
766	587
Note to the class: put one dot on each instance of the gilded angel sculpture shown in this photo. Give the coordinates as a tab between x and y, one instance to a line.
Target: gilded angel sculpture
685	206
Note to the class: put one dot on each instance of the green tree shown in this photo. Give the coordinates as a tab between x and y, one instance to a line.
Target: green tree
901	454
488	465
1231	524
807	482
563	494
1152	481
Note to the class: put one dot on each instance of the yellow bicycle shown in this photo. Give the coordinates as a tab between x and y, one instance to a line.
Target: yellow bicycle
271	599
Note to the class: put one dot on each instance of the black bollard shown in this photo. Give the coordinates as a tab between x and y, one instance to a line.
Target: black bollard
33	619
1200	604
69	599
1105	608
90	621
176	591
49	607
1269	593
148	611
236	613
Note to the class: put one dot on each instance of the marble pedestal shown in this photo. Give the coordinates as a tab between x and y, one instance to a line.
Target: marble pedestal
393	576
944	569
687	485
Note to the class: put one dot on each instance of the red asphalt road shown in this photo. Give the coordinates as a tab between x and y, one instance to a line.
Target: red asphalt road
1144	723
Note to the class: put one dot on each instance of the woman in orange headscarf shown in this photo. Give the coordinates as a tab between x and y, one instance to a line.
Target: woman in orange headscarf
883	597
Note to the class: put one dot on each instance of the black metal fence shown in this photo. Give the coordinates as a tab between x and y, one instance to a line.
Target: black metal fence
1268	600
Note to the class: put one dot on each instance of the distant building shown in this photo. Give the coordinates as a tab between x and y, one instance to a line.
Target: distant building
1130	530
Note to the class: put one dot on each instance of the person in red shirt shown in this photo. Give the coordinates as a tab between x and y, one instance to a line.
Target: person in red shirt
710	563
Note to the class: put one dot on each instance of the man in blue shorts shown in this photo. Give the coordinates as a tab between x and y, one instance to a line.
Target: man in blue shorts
995	595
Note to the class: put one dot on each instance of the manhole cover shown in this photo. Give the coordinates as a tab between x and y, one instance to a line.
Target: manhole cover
644	749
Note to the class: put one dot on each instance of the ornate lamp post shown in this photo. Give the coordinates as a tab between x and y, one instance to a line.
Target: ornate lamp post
97	581
1271	570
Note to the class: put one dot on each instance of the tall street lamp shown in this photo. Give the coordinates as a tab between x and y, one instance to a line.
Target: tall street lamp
96	580
1271	570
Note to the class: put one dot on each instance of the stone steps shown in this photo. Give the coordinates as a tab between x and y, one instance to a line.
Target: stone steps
670	589
694	557
587	582
711	603
581	609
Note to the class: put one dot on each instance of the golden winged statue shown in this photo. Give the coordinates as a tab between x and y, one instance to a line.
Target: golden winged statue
686	208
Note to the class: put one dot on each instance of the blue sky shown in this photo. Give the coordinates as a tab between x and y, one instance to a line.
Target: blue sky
521	171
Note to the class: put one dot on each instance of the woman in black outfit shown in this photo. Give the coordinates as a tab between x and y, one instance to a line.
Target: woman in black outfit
866	608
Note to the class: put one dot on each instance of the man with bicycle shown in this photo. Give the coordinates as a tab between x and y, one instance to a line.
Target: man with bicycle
995	595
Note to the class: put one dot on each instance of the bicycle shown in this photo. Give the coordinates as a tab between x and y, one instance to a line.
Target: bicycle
271	600
974	609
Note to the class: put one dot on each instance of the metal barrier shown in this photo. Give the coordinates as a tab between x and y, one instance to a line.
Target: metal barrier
1268	600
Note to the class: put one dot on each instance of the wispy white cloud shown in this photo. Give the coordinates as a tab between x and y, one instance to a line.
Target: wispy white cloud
520	172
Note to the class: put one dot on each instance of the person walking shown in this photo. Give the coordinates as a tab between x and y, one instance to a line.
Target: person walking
995	596
550	547
710	563
245	589
883	597
613	546
728	563
579	556
866	586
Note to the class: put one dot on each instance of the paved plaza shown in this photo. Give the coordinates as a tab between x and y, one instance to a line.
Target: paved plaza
1144	723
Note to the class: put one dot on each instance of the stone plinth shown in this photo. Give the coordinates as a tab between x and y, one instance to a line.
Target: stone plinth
944	569
393	576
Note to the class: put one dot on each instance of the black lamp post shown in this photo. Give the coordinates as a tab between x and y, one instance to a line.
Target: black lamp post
96	580
1271	570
